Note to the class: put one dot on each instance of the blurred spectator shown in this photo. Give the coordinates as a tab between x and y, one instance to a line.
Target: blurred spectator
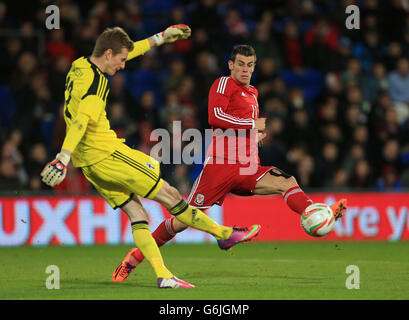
9	178
20	83
84	38
172	106
375	83
205	73
37	158
56	80
118	93
235	24
370	50
180	178
186	93
273	149
176	75
292	46
399	81
393	53
206	16
338	59
390	157
321	41
327	163
57	46
120	121
9	59
4	21
389	180
394	16
362	176
355	153
353	73
265	45
340	179
265	73
389	127
201	43
13	160
146	111
299	129
305	173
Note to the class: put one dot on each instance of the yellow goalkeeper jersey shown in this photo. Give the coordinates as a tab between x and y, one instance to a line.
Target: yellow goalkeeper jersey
86	91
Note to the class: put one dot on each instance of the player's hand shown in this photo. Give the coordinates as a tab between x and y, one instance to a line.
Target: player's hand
260	137
172	34
260	124
54	172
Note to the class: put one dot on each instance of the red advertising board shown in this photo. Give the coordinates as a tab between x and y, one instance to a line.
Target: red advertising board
370	216
90	220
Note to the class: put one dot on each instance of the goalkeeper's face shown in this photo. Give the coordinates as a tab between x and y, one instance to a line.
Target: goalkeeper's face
115	62
242	68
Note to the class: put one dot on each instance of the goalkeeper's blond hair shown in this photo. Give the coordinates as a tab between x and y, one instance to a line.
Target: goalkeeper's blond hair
114	39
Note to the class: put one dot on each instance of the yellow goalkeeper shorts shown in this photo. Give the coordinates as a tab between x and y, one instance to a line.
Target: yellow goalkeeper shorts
124	173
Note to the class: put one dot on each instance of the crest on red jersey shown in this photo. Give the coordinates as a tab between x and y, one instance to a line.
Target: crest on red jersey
199	199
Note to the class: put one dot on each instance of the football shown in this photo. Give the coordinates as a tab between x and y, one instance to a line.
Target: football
317	220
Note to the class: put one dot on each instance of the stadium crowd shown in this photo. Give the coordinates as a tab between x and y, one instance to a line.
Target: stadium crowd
337	100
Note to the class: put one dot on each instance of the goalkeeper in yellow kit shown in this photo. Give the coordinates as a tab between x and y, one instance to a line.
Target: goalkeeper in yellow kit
120	174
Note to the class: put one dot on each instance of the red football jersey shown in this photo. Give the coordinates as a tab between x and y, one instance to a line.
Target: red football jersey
235	107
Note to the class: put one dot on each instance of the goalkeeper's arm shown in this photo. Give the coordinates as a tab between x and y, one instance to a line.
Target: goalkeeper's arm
75	133
54	172
171	34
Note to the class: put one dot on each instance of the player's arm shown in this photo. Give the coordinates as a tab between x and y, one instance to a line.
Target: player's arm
219	99
171	34
90	107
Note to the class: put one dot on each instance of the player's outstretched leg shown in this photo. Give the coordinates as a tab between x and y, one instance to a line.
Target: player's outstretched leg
279	182
163	233
171	199
145	242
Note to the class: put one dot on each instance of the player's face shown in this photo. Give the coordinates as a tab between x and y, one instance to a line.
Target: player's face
242	69
116	62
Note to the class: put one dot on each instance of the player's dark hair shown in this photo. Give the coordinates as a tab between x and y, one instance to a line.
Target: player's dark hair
244	50
114	39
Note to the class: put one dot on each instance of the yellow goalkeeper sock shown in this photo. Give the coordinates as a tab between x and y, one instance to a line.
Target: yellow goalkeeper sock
197	219
145	242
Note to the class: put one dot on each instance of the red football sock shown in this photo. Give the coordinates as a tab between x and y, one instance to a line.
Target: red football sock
163	233
297	200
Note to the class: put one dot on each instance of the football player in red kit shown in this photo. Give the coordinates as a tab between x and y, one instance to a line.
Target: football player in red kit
232	164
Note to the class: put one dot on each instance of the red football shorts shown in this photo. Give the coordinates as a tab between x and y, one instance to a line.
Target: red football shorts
217	180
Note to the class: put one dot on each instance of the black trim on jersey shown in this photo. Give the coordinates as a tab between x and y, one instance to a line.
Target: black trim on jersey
94	66
139	222
281	174
95	86
93	89
135	165
67	113
127	201
179	208
106	92
153	188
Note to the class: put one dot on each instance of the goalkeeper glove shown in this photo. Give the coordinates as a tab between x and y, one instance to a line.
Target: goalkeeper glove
54	172
172	33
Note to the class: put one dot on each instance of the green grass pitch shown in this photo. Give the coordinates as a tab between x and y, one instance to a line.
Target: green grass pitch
251	271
